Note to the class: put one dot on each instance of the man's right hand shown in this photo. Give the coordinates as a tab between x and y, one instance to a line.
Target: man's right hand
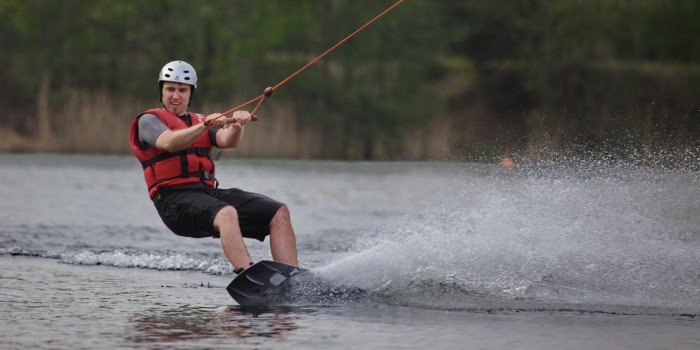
215	121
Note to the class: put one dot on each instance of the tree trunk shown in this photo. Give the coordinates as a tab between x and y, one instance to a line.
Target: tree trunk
42	102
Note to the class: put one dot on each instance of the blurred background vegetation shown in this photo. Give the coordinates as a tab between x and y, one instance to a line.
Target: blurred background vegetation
431	80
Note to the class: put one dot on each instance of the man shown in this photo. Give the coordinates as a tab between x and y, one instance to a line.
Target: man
174	148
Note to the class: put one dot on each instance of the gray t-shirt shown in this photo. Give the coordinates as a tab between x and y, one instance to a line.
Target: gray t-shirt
150	127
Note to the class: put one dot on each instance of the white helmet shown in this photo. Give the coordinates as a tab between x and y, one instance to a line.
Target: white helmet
178	72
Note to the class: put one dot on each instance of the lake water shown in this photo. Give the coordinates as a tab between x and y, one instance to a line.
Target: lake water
453	255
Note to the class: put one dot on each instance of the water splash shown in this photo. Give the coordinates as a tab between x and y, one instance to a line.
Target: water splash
149	260
590	234
130	258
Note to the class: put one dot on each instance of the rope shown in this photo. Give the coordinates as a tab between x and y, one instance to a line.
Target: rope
270	90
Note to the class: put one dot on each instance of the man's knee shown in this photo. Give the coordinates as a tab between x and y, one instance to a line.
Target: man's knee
282	215
226	215
283	210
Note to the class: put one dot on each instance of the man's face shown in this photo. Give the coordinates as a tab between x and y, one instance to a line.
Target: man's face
176	97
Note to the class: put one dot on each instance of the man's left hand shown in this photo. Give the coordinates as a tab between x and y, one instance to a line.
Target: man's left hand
241	118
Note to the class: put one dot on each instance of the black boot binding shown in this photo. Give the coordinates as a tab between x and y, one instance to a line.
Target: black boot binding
241	269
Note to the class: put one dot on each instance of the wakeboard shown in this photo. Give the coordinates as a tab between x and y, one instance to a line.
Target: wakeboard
271	283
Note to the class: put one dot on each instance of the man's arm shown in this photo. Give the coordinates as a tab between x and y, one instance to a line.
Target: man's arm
154	133
177	140
231	136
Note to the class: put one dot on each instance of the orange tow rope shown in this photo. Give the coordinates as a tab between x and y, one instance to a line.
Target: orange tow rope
270	90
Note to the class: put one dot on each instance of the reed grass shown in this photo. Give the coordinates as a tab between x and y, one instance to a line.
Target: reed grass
95	122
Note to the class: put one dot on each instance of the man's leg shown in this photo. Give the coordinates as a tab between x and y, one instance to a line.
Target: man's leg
283	243
226	222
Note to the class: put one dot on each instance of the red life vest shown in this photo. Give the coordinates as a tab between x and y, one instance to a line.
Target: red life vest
165	169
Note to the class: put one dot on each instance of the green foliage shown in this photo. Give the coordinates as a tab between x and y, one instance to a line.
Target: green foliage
542	65
569	65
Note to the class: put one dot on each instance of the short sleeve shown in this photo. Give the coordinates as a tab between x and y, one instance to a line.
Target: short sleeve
150	127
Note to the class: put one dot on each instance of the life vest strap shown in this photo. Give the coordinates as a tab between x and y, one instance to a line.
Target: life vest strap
199	151
202	175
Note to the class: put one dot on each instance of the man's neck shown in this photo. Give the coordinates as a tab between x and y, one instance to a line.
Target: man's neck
181	115
186	118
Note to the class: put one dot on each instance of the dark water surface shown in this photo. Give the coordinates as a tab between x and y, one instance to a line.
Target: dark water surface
453	255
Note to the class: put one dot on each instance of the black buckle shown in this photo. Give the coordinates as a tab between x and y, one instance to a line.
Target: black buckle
207	176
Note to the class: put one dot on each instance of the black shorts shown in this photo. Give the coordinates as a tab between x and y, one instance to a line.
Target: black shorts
190	210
